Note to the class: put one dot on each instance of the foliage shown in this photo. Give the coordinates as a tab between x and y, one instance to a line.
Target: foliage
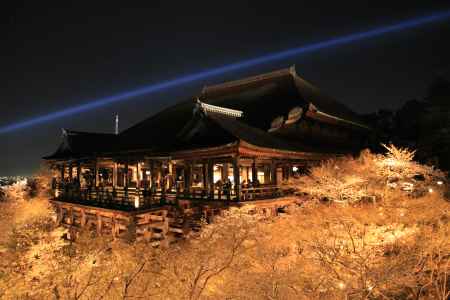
394	248
2	195
370	177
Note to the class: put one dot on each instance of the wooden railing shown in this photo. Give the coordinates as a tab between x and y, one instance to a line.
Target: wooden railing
132	198
261	192
129	199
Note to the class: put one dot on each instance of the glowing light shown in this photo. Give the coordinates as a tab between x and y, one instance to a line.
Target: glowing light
430	190
295	169
147	172
440	182
341	285
272	57
56	193
136	201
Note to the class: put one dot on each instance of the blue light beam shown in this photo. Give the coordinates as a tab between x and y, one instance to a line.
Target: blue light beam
163	85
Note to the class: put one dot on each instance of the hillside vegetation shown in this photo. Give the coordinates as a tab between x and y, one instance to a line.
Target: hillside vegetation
372	227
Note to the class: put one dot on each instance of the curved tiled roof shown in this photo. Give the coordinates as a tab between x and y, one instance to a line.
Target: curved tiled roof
261	98
76	144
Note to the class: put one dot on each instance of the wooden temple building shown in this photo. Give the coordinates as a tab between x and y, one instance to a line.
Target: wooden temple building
234	143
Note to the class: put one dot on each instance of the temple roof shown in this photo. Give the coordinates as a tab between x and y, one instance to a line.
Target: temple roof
209	128
255	100
76	144
261	99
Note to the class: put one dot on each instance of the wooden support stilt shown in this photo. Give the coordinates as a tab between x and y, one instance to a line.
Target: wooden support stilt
165	230
114	227
83	218
99	224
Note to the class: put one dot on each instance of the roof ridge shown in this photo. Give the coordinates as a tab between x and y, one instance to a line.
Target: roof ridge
249	80
209	108
74	132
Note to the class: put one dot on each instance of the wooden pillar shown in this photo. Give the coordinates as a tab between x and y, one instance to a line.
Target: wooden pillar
224	172
115	174
95	172
210	175
78	171
273	171
236	175
205	175
70	172
254	171
63	168
171	180
152	175
138	177
125	184
163	178
267	172
187	177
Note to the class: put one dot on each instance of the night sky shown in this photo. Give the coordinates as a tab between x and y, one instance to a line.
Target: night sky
57	56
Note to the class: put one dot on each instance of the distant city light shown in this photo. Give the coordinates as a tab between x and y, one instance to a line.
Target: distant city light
264	59
295	169
440	182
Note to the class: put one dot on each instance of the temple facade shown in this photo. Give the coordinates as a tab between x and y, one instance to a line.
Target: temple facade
236	142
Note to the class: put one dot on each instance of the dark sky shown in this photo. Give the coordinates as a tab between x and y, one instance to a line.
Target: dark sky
57	56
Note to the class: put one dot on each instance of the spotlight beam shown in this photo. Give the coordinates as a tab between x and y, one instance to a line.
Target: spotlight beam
272	57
